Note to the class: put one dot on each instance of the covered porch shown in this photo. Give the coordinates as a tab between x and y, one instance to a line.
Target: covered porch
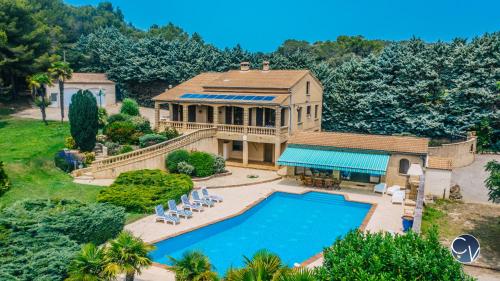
330	168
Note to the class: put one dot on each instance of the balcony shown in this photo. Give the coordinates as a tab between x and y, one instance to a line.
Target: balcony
228	128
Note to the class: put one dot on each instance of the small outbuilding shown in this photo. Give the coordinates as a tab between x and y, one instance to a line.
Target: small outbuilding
98	83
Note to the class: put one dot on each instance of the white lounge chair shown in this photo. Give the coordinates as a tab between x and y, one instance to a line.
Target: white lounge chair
392	189
162	216
212	197
198	200
398	197
173	210
186	204
380	188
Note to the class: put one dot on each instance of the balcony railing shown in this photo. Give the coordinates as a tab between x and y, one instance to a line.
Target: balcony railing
253	130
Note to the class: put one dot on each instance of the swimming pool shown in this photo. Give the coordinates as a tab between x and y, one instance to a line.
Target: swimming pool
294	226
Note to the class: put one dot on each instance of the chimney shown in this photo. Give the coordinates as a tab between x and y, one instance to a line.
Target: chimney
244	66
265	65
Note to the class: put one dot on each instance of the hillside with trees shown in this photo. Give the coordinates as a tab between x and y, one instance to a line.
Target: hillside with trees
439	90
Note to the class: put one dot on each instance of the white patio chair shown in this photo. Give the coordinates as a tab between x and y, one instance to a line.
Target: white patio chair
380	188
398	197
392	189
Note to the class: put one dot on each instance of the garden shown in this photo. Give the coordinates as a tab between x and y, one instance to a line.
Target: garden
94	131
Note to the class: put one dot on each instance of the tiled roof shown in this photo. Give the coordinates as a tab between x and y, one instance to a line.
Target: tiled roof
441	163
272	79
362	141
97	78
196	84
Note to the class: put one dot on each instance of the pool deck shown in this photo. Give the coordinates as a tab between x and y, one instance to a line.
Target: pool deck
385	216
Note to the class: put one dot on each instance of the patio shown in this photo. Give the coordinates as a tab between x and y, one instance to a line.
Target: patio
386	216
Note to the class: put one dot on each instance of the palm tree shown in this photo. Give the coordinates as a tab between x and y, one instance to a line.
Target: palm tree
128	254
193	266
90	264
298	274
37	84
61	71
264	266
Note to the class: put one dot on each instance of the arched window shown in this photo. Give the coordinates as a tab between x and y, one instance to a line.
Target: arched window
404	165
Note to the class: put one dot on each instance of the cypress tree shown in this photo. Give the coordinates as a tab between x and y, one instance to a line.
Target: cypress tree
83	119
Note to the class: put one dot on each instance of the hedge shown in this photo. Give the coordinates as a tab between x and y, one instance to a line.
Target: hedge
202	162
121	132
40	237
382	256
140	191
174	158
151	139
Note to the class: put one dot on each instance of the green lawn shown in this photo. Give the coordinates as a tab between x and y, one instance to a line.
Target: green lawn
27	148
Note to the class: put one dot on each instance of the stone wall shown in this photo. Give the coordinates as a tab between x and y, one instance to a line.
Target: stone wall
437	182
461	153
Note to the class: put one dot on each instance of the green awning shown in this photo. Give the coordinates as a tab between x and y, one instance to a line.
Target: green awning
374	164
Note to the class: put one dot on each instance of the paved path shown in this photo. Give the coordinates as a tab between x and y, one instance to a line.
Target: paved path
471	179
386	216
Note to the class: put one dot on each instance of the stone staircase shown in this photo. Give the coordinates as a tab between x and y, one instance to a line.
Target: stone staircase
110	167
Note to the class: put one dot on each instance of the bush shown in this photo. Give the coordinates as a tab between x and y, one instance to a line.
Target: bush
89	157
126	149
140	191
39	237
67	161
83	119
4	180
101	138
69	143
120	132
117	117
174	157
185	168
129	107
151	139
113	147
102	117
379	256
202	162
170	133
219	164
141	124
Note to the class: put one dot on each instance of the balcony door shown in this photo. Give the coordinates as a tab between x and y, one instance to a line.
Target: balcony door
192	113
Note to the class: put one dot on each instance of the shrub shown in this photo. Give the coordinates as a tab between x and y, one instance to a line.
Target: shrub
126	148
83	119
174	157
151	139
185	168
170	133
120	132
69	142
67	161
202	162
219	164
39	237
117	117
113	147
142	190
379	256
101	138
102	117
129	107
141	124
89	157
4	180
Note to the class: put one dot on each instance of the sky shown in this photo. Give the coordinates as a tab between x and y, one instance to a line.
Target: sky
262	25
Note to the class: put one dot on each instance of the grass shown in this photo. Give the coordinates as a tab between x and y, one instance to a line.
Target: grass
455	218
27	148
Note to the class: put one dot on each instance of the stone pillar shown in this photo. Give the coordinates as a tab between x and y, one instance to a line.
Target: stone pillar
184	116
157	115
216	115
245	120
277	143
245	150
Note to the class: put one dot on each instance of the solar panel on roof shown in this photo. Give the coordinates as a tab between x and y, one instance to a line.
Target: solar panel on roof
227	97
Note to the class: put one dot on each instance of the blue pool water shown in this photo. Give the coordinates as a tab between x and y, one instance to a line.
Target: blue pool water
293	226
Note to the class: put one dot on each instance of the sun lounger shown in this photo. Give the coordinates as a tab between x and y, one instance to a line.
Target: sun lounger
398	197
380	188
162	216
186	204
392	189
212	197
173	210
197	199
